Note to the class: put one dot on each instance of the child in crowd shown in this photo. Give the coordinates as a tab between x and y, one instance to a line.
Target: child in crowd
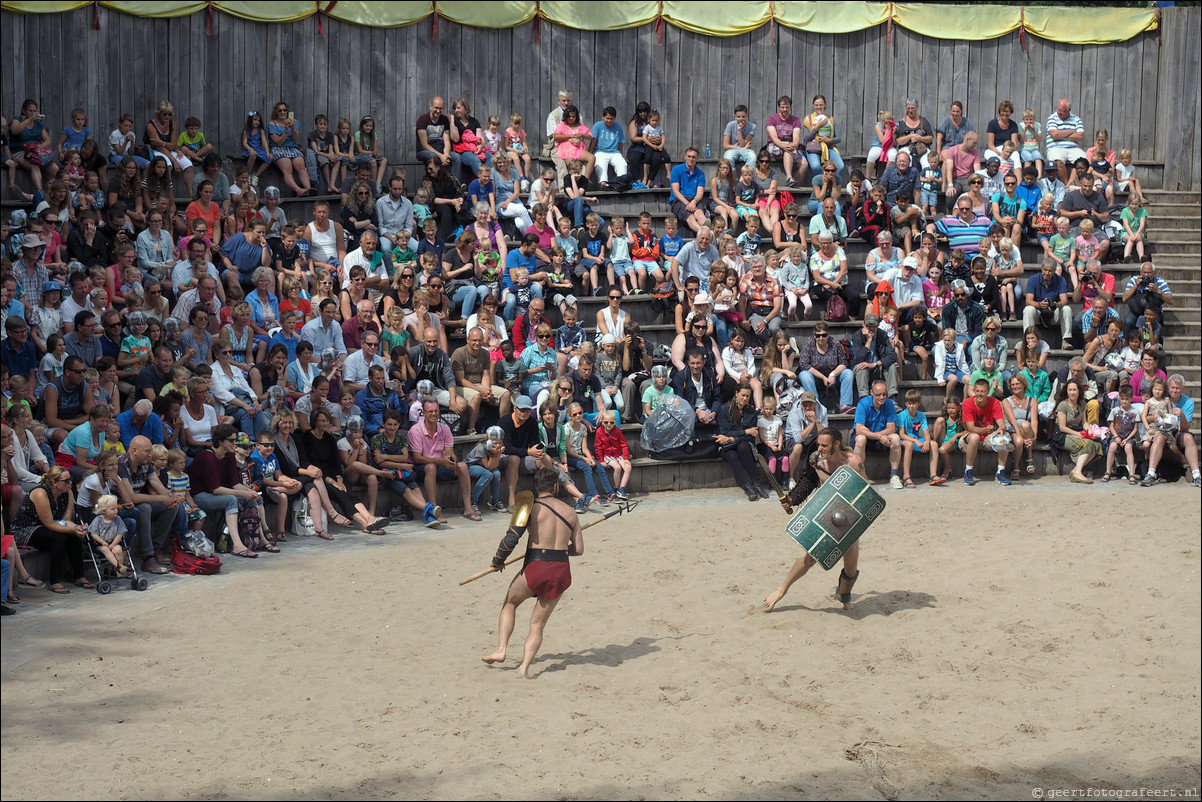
483	190
107	531
51	367
644	249
882	151
1130	356
484	463
621	271
1124	432
1156	407
931	178
750	240
989	372
179	485
613	451
1085	248
671	242
74	135
1030	133
1135	223
321	142
491	144
343	152
275	484
421	208
659	389
653	137
135	347
515	299
431	242
915	437
728	247
1125	171
921	337
560	280
73	171
951	366
569	337
516	147
581	458
255	146
949	433
772	440
746	192
794	279
907	222
403	252
545	191
192	141
607	367
889	326
571	247
509	370
158	458
179	382
1043	222
593	250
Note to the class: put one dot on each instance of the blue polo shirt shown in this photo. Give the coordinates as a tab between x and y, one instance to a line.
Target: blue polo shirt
1042	292
152	428
689	182
1186	405
608	137
516	258
875	419
20	361
245	256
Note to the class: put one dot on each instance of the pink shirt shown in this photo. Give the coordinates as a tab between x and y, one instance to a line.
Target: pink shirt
784	126
565	148
962	161
430	445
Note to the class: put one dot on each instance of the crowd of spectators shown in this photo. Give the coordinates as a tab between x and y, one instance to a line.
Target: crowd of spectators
154	304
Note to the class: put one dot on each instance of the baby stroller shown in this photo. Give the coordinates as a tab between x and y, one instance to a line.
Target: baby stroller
106	574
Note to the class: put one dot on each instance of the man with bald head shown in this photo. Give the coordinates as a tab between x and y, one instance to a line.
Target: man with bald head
431	363
161	515
694	259
1065	133
140	420
472	367
434	136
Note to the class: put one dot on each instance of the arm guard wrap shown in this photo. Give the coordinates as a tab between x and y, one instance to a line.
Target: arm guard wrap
508	544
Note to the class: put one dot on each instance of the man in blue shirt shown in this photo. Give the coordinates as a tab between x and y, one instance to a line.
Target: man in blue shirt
1047	302
609	138
20	355
688	192
323	331
140	420
244	253
1181	443
523	256
374	399
876	426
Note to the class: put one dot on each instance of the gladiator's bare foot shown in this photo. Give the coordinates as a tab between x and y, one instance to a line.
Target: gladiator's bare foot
522	669
772	599
495	657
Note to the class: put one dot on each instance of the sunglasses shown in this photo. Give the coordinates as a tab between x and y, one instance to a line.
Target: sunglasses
821	336
435	286
544	336
619	297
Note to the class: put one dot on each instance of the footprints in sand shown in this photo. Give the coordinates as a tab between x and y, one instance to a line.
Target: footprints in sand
867	754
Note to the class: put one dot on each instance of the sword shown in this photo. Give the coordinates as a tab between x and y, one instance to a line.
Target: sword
627	506
780	494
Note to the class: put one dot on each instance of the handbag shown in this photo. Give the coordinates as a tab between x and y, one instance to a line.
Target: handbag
836	309
37	153
302	521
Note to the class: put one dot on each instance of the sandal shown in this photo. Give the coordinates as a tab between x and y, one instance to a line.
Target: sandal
82	582
14	598
341	520
377	526
1031	465
247	553
270	548
29	581
1106	477
1131	480
1014	475
908	483
58	588
938	480
324	535
472	516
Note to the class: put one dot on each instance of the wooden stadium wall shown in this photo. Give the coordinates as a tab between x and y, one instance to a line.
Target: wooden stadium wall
1143	90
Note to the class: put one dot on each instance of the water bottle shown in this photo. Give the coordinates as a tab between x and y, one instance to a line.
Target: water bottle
707	150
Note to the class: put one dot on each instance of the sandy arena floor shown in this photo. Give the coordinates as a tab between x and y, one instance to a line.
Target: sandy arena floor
1048	640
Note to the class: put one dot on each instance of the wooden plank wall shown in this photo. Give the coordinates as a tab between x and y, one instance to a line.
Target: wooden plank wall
1143	90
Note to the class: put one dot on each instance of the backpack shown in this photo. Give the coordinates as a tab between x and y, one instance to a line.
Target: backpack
184	563
836	310
250	528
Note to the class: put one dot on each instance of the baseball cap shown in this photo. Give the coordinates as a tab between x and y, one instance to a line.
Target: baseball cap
523	402
910	262
51	286
808	398
242	440
993	160
31	241
41	207
608	339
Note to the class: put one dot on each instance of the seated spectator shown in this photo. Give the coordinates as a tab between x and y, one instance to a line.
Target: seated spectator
320	449
1072	418
697	386
217	484
1065	133
963	231
828	272
433	450
140	420
876	427
44	521
1047	303
357	366
873	357
1077	371
738	430
1177	440
1086	203
982	414
472	366
431	363
760	301
1143	292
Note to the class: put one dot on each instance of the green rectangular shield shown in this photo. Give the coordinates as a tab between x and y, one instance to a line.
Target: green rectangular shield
835	516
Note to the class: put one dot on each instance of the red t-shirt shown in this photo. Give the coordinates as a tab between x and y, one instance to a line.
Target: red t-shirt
982	418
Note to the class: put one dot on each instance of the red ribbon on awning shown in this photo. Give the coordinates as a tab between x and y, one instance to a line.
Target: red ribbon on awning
659	24
434	29
1157	10
321	13
537	21
1022	27
889	26
209	18
771	22
95	15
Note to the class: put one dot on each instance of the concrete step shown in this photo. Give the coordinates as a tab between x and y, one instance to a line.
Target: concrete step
1173	195
1170	208
1173	222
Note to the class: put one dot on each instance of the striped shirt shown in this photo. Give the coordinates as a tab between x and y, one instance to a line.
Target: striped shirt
965	236
178	485
1055	123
